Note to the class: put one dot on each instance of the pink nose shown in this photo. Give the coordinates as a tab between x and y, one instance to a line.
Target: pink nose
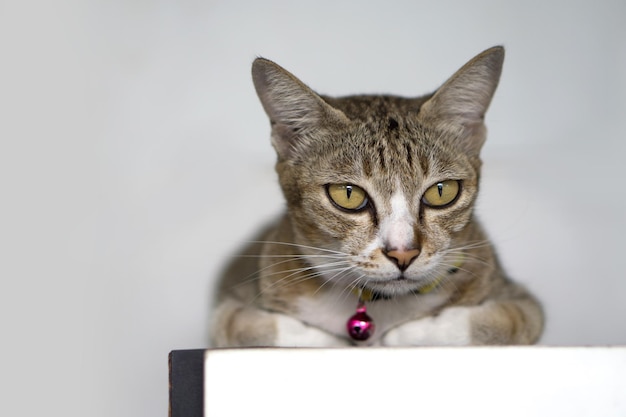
402	258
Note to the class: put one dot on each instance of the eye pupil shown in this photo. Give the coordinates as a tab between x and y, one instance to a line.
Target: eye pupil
440	189
348	191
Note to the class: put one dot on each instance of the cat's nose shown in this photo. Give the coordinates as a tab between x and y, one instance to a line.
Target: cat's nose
402	258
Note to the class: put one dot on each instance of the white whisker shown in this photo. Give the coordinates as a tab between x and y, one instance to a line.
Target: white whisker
297	245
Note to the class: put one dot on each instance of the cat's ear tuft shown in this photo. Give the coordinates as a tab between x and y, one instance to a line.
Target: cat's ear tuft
296	112
462	101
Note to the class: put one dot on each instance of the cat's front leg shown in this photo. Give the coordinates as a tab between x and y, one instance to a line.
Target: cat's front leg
451	327
491	323
239	325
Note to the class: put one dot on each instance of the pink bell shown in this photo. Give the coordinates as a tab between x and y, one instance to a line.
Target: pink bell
360	326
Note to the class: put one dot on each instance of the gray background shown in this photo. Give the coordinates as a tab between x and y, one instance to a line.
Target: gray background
135	159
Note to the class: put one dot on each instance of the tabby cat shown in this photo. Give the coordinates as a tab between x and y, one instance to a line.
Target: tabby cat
379	231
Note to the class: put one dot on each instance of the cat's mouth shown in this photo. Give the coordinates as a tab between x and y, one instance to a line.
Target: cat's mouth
403	285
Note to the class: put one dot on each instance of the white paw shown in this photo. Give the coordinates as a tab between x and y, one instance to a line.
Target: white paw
450	328
291	332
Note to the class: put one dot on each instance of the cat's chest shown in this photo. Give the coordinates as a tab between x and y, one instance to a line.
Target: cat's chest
332	309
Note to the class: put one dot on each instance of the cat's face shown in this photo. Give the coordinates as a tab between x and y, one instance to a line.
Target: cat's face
379	189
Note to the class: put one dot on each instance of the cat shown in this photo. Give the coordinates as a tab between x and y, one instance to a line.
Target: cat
380	194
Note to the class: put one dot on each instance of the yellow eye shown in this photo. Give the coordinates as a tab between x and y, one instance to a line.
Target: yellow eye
442	193
347	196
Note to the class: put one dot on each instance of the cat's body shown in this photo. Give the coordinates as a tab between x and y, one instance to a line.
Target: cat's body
380	193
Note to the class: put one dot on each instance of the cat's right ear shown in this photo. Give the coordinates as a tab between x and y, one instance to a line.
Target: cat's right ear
296	112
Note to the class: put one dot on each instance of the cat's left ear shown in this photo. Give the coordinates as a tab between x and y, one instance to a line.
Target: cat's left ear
296	112
461	102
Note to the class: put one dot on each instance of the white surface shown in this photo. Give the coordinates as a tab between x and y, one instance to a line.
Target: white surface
135	158
573	382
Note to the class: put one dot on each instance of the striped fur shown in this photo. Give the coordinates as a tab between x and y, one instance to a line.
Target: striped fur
297	286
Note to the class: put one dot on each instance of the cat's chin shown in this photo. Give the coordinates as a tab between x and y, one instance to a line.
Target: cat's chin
396	287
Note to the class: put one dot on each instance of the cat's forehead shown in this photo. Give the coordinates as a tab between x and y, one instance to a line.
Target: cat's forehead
400	154
390	153
376	108
384	147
